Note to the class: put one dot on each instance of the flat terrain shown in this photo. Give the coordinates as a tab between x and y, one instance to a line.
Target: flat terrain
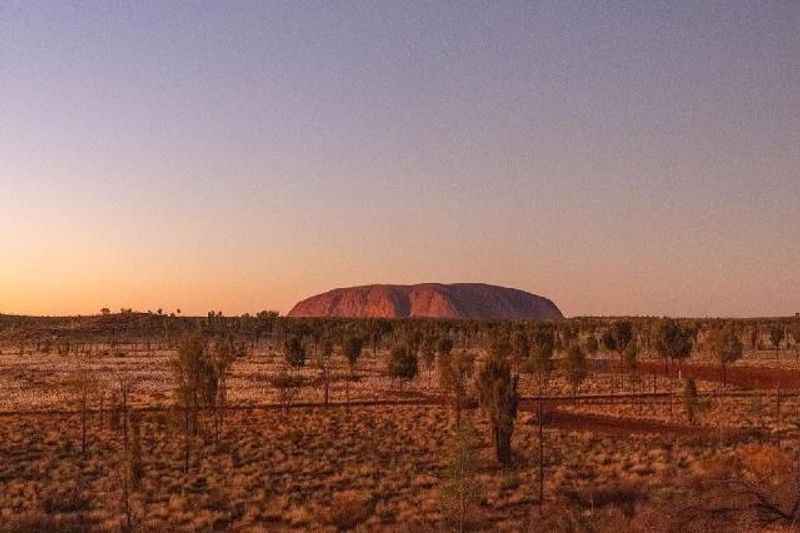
617	457
297	470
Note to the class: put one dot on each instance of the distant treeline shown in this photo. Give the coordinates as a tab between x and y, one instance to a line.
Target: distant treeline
267	326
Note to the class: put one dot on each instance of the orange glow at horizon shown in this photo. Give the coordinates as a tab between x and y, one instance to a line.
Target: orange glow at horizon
241	158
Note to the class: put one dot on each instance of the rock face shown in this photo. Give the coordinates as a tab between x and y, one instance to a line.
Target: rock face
433	300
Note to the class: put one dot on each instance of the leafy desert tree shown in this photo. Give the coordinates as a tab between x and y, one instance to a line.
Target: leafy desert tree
616	339
776	336
631	359
576	367
673	341
402	363
295	352
498	398
726	348
455	371
461	489
352	347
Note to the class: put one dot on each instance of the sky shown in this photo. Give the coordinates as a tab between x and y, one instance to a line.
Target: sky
620	158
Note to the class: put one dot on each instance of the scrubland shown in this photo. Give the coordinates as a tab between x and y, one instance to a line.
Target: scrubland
619	453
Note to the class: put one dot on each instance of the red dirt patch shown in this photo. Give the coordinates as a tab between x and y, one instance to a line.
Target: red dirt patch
748	378
610	424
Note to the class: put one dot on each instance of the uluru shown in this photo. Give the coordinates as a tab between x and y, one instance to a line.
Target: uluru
429	300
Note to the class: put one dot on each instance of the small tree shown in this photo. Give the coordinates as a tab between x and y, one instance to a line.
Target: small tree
631	359
726	348
222	358
576	367
461	490
776	335
498	398
617	339
455	370
295	352
673	342
352	348
193	371
287	385
323	361
692	403
402	363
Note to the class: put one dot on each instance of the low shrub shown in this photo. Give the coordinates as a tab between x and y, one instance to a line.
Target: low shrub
348	510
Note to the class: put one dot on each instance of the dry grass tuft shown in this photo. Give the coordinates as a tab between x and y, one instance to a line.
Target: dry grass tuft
349	509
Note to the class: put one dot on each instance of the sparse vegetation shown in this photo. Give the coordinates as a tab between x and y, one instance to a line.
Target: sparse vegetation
403	363
84	386
295	352
455	371
287	384
727	349
499	399
461	490
195	386
352	351
587	456
576	367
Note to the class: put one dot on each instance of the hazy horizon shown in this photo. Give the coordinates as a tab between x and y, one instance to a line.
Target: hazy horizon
617	159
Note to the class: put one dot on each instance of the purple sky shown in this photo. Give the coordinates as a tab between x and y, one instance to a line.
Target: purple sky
617	157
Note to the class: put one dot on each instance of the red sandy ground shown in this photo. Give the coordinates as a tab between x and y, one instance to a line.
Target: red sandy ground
745	377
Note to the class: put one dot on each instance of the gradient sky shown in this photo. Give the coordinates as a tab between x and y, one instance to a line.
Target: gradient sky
617	157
